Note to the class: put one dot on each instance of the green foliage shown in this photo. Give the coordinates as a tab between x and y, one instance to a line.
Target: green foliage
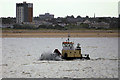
58	27
81	26
23	26
8	20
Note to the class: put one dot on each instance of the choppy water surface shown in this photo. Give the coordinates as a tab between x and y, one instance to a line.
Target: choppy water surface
20	58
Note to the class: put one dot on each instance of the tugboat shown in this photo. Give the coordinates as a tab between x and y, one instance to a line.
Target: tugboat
69	52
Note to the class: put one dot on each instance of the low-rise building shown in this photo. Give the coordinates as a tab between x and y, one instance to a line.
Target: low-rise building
46	16
38	23
78	23
99	25
87	22
62	24
6	26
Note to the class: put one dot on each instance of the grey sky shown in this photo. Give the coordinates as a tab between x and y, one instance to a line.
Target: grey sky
63	8
119	7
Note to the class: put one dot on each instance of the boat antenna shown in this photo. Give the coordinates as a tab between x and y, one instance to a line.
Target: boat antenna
68	37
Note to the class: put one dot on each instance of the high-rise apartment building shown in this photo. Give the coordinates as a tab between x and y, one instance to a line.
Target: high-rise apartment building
24	12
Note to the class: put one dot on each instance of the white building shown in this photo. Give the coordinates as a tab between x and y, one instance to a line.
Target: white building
20	14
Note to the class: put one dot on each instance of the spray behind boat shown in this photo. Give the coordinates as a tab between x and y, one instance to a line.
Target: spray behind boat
68	52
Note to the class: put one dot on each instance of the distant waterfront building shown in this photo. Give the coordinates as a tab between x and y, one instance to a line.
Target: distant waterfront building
87	22
46	16
24	12
99	25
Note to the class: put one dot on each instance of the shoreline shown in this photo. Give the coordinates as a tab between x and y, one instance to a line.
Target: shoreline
57	33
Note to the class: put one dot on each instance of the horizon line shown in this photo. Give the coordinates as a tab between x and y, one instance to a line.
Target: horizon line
66	16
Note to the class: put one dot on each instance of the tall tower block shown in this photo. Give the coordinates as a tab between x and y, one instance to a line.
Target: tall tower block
24	12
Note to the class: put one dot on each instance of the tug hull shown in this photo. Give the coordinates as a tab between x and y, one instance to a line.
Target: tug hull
71	58
71	53
74	54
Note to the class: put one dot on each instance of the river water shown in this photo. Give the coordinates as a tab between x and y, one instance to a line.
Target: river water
20	58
